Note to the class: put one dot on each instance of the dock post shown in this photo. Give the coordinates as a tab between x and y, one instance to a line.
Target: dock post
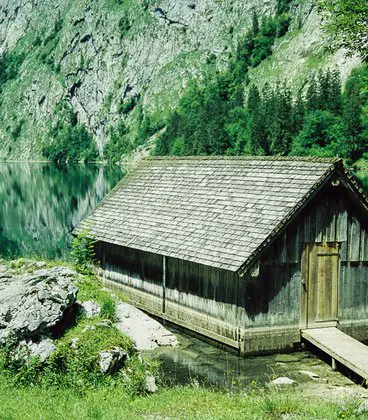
333	364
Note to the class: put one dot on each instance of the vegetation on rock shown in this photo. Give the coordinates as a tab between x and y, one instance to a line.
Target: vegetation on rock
346	22
74	363
83	252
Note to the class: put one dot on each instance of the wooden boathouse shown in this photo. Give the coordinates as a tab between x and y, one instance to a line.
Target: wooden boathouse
246	251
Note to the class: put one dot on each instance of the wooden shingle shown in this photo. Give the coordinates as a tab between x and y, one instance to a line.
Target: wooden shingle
211	211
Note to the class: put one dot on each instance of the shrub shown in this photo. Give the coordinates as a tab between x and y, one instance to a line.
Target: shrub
10	63
124	24
70	143
77	368
17	130
83	252
118	144
128	106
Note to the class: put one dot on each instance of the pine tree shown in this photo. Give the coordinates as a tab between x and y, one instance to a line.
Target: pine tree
352	119
312	95
334	97
282	131
299	109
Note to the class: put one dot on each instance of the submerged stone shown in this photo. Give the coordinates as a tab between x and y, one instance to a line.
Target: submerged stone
282	381
287	358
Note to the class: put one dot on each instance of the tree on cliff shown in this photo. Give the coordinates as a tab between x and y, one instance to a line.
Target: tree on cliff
347	23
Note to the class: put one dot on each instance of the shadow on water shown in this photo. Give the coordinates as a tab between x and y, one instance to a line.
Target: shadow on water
40	204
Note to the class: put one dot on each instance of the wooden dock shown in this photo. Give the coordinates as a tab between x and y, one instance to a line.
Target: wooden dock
341	347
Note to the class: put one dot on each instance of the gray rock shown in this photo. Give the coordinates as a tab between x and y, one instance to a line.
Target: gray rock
90	308
150	384
43	349
74	343
26	349
112	360
282	381
312	375
32	303
146	332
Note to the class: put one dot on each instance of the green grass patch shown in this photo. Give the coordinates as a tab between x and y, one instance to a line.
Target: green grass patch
177	403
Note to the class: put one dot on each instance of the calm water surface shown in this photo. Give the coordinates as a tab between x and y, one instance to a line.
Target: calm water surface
40	204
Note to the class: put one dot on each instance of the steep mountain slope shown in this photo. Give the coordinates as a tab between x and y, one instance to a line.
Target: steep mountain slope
106	61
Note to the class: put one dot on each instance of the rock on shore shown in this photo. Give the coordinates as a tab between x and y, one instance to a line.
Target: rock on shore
32	303
146	332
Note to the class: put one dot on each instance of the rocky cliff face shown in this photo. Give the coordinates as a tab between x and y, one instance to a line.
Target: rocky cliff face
93	58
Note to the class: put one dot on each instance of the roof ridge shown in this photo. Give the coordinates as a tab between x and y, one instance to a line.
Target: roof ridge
249	158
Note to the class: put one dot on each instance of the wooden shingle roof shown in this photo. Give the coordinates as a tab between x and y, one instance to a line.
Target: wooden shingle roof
212	211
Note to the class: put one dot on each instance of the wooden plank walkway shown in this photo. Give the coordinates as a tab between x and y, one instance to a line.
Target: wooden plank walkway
341	347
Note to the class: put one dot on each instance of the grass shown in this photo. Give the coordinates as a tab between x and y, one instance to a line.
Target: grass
73	366
177	403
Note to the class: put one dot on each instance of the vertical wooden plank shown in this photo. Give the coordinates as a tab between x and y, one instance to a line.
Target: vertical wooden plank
342	226
363	244
307	228
335	283
319	223
293	244
312	284
342	292
322	275
354	239
331	226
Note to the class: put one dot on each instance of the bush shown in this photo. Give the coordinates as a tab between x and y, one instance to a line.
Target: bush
10	63
71	143
124	24
83	252
128	106
118	144
17	130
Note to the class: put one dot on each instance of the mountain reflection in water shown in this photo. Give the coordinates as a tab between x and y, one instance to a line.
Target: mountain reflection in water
40	204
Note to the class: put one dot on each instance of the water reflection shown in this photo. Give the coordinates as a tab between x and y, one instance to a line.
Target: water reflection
40	204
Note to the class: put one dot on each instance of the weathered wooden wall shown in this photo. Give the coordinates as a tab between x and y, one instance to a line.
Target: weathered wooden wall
245	308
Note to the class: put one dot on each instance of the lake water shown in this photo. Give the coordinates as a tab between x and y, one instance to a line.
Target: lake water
40	204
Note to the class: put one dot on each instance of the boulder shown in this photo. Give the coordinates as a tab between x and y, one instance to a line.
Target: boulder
32	303
90	308
282	382
112	360
146	332
43	349
26	349
150	384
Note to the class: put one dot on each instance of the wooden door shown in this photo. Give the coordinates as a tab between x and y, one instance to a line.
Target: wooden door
320	283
